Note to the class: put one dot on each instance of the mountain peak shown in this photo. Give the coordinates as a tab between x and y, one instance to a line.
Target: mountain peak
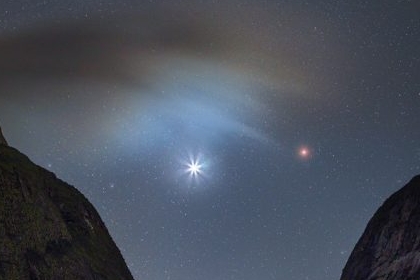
389	248
415	179
2	139
48	229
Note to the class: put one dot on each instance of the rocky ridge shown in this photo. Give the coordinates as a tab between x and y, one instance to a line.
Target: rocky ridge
48	229
2	139
389	248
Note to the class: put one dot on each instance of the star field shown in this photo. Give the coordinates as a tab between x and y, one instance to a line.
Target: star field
219	139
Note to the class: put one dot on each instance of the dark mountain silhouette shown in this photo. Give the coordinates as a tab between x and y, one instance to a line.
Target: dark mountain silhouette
2	139
390	246
48	229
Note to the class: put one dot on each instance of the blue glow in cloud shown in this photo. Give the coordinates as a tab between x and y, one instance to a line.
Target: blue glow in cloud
192	102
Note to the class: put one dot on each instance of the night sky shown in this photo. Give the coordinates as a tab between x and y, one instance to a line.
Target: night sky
219	140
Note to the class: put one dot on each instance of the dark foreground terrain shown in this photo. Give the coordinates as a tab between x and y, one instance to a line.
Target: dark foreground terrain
389	249
48	229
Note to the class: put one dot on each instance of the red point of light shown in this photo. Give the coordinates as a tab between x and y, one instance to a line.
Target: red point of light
304	153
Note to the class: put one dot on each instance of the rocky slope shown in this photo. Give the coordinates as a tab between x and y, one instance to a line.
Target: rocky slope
2	140
48	229
390	246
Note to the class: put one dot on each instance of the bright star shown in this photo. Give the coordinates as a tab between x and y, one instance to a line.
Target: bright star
194	168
